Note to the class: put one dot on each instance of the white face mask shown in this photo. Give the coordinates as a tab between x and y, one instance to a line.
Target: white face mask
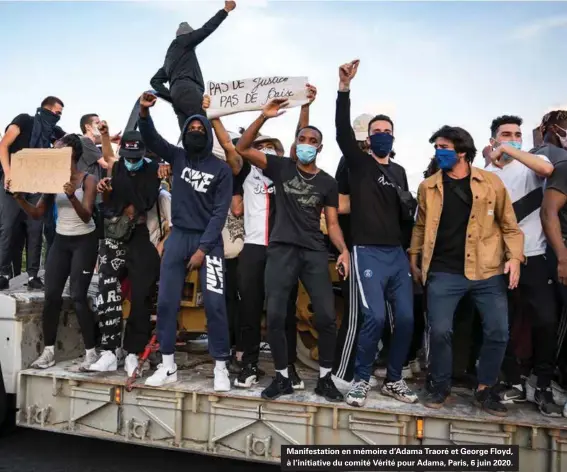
563	139
95	131
270	151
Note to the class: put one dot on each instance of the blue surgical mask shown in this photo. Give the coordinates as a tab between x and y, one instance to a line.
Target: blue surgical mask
515	144
381	144
446	158
134	166
306	153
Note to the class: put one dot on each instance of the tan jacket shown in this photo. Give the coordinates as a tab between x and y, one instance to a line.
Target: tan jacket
493	234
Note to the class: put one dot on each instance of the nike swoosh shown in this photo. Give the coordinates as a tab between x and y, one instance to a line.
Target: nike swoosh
506	397
171	373
85	272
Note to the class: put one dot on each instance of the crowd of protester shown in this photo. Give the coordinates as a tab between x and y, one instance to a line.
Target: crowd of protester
487	244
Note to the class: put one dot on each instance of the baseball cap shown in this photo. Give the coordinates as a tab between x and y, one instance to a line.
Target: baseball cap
267	139
360	126
132	146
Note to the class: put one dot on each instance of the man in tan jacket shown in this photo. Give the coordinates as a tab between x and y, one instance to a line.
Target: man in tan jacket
467	238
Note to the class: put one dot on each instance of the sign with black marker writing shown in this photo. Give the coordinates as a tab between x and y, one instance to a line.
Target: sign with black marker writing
40	170
236	96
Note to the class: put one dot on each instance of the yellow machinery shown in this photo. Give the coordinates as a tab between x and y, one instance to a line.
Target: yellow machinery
192	319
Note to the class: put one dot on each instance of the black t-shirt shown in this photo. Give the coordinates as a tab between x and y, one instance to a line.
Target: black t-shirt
449	252
300	199
375	205
342	178
25	123
558	181
89	160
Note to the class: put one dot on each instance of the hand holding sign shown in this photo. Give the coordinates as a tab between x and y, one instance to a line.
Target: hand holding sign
273	108
206	102
311	93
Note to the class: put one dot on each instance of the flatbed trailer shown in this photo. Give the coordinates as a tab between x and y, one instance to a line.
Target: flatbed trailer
190	416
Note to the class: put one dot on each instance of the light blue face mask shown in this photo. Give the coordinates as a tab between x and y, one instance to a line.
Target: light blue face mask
134	166
515	144
306	153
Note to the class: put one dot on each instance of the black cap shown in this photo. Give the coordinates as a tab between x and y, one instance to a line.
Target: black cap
132	146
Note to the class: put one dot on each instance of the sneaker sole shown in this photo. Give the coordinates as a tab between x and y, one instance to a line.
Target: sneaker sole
43	367
501	414
434	406
329	399
167	382
356	403
245	384
551	415
222	389
513	401
265	397
398	397
113	368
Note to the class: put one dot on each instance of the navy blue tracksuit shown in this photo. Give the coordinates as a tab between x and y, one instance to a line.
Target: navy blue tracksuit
200	199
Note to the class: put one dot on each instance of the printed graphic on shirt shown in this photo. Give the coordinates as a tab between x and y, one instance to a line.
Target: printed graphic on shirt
307	194
215	277
235	228
258	191
200	181
382	181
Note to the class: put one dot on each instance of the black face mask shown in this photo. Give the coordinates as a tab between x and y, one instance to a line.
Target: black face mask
194	141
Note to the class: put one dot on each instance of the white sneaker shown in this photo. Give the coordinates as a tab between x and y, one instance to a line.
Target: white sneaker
106	363
120	356
90	359
131	364
373	382
222	381
162	376
46	360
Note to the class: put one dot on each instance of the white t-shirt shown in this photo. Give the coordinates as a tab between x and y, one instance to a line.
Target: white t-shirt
152	220
520	180
258	191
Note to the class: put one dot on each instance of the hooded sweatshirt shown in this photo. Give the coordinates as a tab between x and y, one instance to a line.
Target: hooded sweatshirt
181	61
202	184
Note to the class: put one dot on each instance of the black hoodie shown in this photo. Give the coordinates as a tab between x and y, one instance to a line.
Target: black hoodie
202	183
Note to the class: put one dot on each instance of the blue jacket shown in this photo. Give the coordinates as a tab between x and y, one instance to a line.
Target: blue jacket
202	184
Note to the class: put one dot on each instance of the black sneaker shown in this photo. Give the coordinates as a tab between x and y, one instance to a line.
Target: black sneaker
248	376
435	399
295	378
489	401
509	394
547	406
35	283
4	282
326	388
280	386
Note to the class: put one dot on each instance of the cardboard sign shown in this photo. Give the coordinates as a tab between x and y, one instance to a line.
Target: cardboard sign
40	170
237	96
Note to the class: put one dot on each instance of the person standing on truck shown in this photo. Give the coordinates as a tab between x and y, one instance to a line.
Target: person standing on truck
297	247
523	175
128	196
72	256
201	197
468	237
258	194
25	131
181	68
96	161
382	267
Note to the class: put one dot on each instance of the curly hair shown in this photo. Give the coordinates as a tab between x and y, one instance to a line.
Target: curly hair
74	142
552	118
461	139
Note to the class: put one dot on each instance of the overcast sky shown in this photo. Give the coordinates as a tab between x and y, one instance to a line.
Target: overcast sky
425	64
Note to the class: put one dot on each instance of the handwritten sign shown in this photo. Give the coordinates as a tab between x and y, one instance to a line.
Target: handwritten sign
237	96
40	170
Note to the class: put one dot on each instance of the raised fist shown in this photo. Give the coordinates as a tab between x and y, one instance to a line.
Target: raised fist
147	100
206	102
229	6
348	71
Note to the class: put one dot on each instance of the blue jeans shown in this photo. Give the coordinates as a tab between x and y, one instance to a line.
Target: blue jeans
444	291
383	273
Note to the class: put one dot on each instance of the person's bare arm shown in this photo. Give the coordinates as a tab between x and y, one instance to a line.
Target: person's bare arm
8	139
37	211
304	113
344	204
540	166
553	202
85	207
108	158
237	206
244	146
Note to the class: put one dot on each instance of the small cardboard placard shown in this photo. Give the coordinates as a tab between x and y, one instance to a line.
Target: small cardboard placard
40	170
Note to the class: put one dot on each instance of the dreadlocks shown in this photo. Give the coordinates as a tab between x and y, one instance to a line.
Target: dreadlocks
552	118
